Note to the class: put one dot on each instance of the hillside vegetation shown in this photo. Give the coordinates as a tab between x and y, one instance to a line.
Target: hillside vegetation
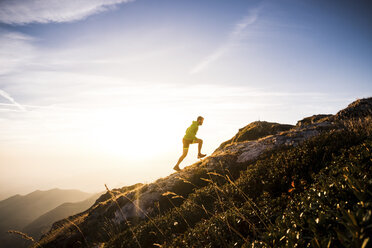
307	185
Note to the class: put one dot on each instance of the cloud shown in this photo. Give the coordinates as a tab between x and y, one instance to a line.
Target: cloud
246	21
11	99
209	59
234	36
16	50
45	11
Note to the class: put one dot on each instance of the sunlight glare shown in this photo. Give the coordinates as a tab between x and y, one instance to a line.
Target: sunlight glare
132	134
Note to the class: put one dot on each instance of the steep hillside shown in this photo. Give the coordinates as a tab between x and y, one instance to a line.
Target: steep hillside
18	211
300	186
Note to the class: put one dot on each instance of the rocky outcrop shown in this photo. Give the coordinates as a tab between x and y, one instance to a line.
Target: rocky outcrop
313	120
250	150
358	109
256	130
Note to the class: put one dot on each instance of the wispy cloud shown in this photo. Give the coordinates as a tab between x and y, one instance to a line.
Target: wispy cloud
11	99
45	11
234	36
16	49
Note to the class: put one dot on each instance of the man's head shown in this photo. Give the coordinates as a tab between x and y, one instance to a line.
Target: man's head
200	120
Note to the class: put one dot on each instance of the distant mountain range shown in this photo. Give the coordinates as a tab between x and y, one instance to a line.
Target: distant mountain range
35	212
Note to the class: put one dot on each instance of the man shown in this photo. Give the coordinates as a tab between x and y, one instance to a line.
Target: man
190	138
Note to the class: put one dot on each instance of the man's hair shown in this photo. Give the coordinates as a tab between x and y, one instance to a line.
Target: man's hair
199	118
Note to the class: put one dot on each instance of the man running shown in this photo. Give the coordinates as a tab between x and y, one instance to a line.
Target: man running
190	138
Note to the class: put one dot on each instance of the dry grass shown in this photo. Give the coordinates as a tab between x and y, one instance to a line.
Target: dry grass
25	237
361	125
121	211
218	191
62	229
78	228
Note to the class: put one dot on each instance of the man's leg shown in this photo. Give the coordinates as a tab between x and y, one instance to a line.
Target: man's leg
184	154
200	144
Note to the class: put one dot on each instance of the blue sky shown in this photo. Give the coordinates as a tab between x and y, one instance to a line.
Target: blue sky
101	89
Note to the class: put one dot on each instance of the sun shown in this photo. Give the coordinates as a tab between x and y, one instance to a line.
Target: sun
134	135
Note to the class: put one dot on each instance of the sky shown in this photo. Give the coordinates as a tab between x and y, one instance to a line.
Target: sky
102	91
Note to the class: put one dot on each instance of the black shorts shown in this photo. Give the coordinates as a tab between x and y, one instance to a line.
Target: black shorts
186	143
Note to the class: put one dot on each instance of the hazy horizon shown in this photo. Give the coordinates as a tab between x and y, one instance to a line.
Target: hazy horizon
96	92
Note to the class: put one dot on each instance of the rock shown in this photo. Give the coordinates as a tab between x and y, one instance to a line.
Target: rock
256	130
312	120
359	109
